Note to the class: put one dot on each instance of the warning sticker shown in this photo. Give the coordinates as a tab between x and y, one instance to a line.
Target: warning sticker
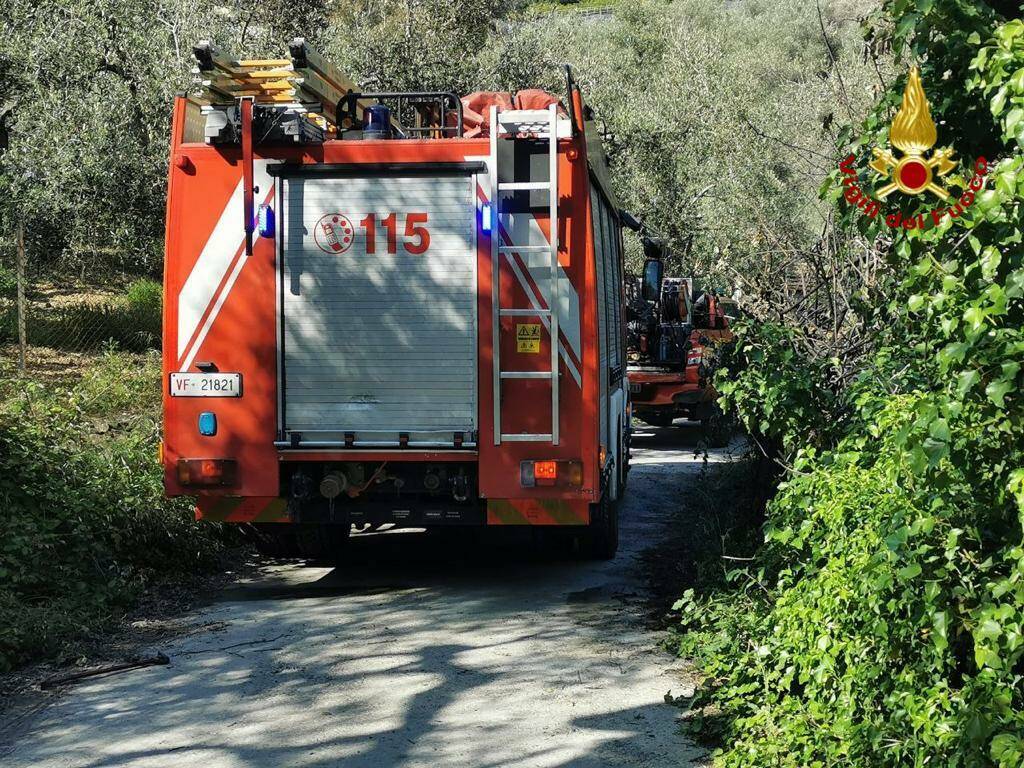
528	337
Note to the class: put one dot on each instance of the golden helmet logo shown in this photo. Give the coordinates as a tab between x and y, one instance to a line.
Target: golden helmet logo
913	134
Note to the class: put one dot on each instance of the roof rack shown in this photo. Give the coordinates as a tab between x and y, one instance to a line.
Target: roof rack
297	99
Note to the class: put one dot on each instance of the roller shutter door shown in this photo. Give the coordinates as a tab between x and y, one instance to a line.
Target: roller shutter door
378	298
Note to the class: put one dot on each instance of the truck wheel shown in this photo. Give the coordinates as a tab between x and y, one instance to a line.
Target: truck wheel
601	540
625	457
657	419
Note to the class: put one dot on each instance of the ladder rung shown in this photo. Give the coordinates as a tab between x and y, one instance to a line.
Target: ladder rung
524	312
523	248
534	131
515	116
511	186
526	374
525	438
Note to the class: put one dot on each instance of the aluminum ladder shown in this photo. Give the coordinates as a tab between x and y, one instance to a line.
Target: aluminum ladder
542	124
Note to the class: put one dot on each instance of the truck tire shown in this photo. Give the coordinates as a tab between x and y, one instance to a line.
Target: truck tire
601	540
625	457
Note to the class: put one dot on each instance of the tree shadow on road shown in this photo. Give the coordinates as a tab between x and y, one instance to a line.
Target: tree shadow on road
452	648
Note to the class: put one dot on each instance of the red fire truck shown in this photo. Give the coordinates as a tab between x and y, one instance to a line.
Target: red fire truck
398	309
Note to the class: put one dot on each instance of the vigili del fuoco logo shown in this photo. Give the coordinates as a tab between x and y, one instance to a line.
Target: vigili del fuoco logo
914	171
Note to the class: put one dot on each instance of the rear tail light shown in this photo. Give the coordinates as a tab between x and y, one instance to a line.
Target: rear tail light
545	471
207	471
550	473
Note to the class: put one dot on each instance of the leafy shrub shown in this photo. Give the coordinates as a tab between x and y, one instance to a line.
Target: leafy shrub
145	295
886	622
780	395
85	522
8	283
882	622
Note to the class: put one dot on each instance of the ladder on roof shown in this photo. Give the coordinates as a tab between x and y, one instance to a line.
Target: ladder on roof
505	125
305	86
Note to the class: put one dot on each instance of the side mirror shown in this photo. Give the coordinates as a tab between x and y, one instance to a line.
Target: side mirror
653	272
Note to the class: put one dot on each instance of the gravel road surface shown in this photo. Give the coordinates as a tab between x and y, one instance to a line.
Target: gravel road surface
423	650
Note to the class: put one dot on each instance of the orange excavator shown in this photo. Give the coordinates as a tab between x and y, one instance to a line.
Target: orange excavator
672	329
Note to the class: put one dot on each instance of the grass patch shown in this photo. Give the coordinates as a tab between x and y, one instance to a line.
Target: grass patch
130	322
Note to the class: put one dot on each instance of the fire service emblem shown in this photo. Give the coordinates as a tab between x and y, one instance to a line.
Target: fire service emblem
333	233
914	171
913	133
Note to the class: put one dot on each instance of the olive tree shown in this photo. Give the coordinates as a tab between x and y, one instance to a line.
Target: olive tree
89	86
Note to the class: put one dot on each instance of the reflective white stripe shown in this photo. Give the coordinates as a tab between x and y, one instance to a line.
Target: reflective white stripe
524	283
187	362
213	263
523	229
569	299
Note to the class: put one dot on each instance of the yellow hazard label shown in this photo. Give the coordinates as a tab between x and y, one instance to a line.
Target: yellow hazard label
528	337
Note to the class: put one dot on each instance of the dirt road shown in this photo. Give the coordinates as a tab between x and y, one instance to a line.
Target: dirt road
425	650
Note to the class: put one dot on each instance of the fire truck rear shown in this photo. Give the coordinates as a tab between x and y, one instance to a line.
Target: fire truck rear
390	309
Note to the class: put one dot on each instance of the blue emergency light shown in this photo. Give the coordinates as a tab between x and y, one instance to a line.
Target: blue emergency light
265	221
485	217
377	122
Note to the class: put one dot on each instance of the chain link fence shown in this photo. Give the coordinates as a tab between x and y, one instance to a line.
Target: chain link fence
45	319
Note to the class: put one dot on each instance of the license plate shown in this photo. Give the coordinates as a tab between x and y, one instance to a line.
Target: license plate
206	385
634	387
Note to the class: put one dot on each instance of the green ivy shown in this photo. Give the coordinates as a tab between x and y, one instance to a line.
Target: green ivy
782	397
882	621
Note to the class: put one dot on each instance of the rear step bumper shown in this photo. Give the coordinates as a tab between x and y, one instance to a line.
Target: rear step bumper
269	509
